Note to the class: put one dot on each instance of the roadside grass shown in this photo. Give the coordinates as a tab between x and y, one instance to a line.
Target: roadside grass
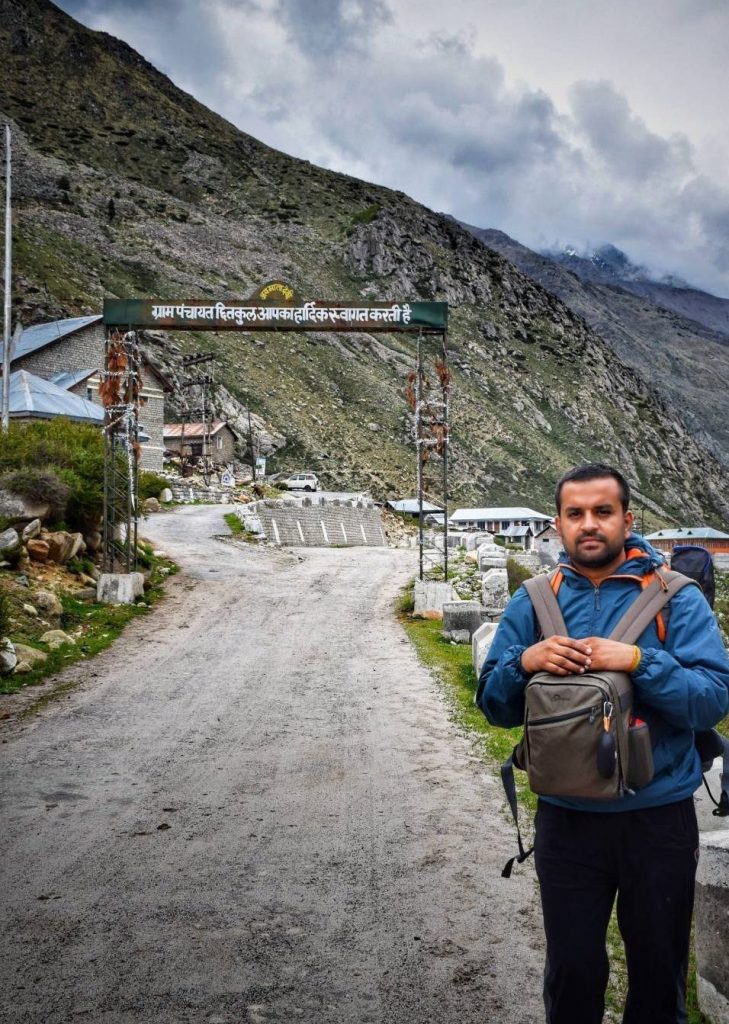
238	529
101	624
452	665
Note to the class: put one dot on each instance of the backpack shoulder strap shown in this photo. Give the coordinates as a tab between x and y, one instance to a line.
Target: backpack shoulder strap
549	615
647	606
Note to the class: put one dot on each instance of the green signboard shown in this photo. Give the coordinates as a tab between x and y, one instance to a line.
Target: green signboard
277	312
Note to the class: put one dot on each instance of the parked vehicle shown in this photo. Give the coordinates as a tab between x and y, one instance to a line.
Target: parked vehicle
302	482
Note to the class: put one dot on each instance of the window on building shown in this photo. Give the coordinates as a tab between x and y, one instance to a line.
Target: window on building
219	442
89	394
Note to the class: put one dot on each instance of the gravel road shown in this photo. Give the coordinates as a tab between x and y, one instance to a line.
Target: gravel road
256	808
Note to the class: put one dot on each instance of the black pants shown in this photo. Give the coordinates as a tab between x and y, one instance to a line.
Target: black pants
649	859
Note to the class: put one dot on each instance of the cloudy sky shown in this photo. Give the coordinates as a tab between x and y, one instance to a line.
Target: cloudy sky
558	121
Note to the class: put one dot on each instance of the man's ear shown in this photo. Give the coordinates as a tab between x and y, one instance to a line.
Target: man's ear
558	525
629	520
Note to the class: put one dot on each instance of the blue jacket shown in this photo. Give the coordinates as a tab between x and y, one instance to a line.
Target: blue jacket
684	681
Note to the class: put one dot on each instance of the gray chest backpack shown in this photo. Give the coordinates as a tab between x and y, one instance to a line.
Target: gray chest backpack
581	738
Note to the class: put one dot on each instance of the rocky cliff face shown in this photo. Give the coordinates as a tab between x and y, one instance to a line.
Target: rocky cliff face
649	326
131	188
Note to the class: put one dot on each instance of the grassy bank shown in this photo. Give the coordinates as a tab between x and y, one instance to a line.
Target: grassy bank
93	627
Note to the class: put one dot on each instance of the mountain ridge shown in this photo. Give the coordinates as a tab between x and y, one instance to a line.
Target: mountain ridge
131	188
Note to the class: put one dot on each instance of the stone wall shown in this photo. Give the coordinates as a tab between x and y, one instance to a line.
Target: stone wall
318	522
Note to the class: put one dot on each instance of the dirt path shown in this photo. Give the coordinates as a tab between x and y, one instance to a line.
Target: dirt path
255	808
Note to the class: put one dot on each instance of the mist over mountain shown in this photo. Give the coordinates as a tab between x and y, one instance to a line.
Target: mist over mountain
686	360
126	186
608	265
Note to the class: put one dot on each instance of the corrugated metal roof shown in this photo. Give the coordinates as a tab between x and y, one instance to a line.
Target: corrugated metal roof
70	380
40	335
689	533
411	506
35	397
191	429
497	513
515	531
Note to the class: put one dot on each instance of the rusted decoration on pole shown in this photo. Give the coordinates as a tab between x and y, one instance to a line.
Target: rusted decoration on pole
120	393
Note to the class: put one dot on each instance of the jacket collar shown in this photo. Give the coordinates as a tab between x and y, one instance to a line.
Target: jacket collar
641	558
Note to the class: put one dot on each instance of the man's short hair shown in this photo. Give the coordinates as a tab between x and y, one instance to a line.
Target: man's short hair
594	471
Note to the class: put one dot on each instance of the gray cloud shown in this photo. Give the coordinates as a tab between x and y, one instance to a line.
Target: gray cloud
341	83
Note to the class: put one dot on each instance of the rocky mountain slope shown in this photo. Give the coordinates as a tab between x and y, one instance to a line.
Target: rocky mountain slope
686	361
608	265
129	187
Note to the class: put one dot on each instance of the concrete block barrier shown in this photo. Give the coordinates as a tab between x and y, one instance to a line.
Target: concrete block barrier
461	619
430	596
481	644
712	926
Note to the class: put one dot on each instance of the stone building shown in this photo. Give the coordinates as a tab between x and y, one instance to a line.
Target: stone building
190	436
70	354
516	525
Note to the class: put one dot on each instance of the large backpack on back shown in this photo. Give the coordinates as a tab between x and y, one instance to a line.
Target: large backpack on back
696	562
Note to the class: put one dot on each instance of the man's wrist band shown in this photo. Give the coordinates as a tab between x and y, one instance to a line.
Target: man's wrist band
637	654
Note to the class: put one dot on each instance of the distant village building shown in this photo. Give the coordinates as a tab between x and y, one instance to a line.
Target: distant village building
70	355
188	438
411	507
516	525
714	541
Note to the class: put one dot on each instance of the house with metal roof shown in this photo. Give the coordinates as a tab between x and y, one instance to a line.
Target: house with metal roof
188	439
411	507
516	524
706	536
32	398
70	355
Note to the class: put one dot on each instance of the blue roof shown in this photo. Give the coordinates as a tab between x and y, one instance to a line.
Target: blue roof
31	396
689	533
70	380
34	338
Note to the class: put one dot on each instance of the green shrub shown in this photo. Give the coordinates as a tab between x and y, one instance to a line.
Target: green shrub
516	574
150	485
42	486
4	614
72	453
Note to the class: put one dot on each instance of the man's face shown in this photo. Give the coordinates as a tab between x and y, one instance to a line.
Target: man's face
592	524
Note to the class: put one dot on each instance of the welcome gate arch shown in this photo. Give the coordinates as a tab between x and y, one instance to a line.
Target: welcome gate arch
275	307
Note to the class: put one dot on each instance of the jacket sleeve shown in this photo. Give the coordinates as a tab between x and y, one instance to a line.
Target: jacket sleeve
500	693
688	681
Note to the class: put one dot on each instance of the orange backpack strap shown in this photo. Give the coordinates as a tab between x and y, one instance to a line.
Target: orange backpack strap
660	619
556	581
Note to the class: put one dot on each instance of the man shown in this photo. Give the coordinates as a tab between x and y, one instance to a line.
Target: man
644	846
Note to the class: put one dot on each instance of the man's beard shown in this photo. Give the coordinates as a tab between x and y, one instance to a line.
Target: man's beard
596	559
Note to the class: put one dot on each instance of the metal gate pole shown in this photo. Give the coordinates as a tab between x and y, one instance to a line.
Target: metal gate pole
446	388
419	443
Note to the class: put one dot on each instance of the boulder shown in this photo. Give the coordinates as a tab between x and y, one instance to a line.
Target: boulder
481	644
119	587
63	546
18	509
9	541
30	609
38	550
56	638
151	505
8	657
93	541
47	602
29	655
495	589
166	496
32	530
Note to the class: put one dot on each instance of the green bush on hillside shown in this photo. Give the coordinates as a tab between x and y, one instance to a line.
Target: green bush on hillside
45	457
151	485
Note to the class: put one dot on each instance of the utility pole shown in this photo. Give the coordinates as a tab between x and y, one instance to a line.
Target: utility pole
8	291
